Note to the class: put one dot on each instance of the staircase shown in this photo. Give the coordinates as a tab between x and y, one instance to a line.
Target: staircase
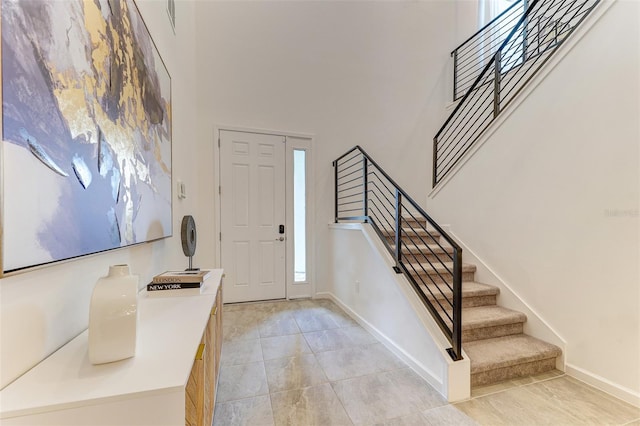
492	335
465	310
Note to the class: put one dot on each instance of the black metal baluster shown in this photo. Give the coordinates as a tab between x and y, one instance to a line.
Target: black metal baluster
457	304
455	74
496	83
398	253
365	178
335	175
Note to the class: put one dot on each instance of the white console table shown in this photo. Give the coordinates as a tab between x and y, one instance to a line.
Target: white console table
148	389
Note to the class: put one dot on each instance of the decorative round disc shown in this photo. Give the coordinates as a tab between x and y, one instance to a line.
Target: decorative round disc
188	235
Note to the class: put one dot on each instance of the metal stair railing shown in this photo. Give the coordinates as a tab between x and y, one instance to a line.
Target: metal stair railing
472	55
429	258
543	27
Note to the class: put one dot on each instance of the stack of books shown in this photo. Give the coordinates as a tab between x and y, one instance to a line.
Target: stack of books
177	283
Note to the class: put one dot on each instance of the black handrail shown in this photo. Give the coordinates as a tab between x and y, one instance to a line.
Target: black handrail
464	54
487	67
543	27
410	235
491	24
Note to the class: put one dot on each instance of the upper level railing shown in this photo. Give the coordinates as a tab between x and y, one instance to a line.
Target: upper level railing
473	54
536	36
365	193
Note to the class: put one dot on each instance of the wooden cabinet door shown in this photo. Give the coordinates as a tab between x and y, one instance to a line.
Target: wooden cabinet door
218	333
195	390
200	395
210	366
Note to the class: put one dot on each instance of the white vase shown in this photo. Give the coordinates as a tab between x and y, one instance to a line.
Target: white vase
113	316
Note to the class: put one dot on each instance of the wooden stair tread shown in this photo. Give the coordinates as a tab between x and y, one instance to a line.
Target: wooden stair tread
506	351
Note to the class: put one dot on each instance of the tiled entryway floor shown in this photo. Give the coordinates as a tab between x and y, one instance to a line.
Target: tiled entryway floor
304	363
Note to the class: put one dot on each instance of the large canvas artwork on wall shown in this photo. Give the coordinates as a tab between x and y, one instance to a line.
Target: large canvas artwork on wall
86	130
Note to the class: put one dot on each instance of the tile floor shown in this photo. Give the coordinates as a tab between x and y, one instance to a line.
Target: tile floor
304	363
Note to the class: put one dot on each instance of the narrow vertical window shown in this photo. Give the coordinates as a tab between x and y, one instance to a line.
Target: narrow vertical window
299	215
513	54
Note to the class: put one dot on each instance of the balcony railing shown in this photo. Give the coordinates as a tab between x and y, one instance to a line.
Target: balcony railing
536	35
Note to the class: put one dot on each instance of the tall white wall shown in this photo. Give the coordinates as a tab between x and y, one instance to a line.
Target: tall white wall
43	309
368	73
551	202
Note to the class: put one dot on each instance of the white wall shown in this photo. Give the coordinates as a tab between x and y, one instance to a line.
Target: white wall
43	309
365	285
368	73
550	202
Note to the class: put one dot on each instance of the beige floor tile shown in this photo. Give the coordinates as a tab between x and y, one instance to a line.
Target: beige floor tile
233	332
338	338
358	361
414	419
241	352
257	310
369	382
231	307
244	412
267	309
327	311
415	389
242	317
338	315
312	406
497	409
240	325
447	415
306	304
293	373
562	400
284	346
583	401
378	398
241	381
314	319
279	324
344	320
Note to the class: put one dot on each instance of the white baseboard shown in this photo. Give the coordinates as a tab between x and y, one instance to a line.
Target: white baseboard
625	394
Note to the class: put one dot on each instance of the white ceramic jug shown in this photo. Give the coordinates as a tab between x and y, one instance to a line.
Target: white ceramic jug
113	316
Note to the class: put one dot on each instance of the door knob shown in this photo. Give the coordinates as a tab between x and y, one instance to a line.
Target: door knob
280	239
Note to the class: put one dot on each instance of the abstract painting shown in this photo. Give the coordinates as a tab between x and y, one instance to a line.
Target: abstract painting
86	122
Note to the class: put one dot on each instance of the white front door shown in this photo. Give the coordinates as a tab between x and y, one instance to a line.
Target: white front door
252	207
